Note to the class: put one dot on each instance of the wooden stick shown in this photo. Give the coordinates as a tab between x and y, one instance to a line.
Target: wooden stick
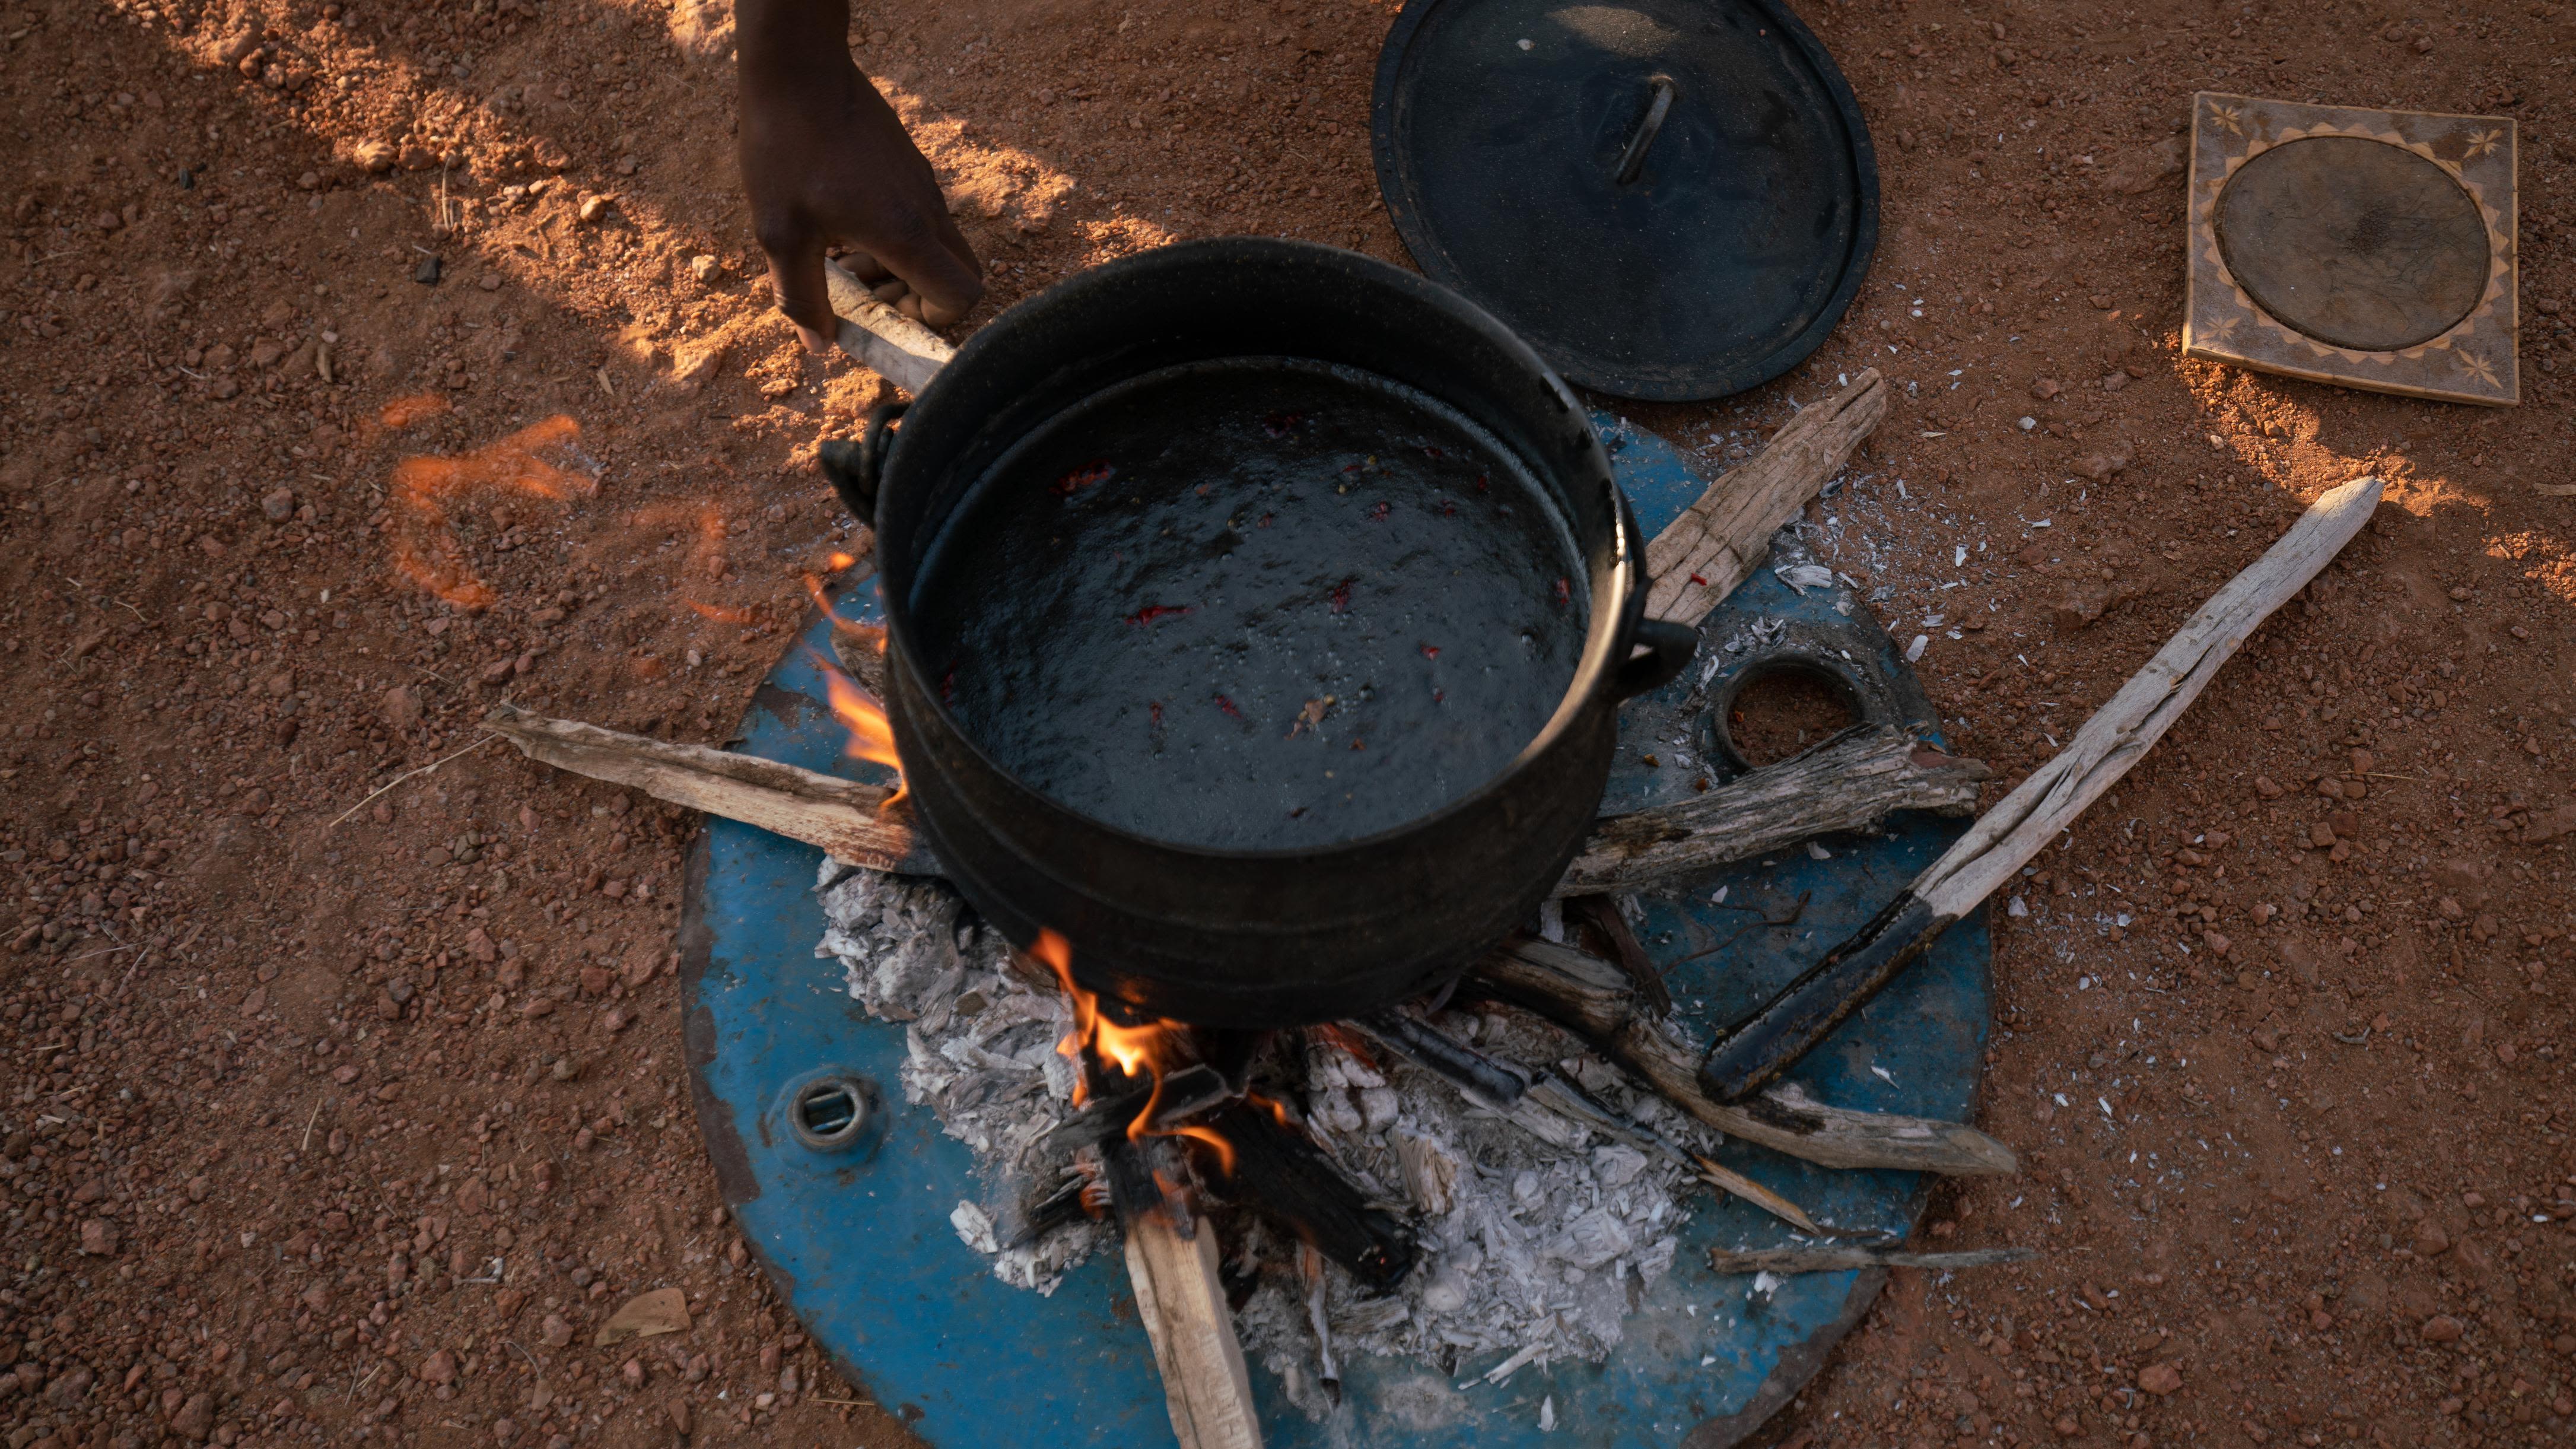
845	819
1701	556
1849	781
2042	807
903	351
1602	913
1276	1172
1177	1294
848	820
1172	1267
1592	999
1832	1260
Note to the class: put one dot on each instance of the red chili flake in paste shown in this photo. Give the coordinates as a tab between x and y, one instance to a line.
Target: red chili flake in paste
1227	705
1430	651
1157	611
1379	513
1564	592
1342	595
1095	471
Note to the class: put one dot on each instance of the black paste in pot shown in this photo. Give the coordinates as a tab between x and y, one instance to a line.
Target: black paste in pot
1254	604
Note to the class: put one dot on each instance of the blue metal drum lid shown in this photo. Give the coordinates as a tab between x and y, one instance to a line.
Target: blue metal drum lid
857	1239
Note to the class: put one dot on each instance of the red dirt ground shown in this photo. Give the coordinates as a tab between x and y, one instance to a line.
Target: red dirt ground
293	1052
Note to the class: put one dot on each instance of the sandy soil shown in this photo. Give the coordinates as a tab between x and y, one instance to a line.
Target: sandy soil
293	1044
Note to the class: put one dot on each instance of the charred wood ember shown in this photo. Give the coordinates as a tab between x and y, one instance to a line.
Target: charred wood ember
1546	1105
1274	1171
1490	1082
1603	915
1596	1002
1081	1196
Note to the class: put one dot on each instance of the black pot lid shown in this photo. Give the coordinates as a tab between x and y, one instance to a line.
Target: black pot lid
1669	199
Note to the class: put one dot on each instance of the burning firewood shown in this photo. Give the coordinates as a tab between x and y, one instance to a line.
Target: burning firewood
1848	783
1275	1172
848	820
1172	1266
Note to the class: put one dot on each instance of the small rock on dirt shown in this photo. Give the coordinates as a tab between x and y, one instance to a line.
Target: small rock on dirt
2140	170
2160	1379
664	1310
195	1419
402	706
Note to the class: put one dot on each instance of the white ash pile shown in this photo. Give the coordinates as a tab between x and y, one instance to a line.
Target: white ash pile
1531	1249
981	1049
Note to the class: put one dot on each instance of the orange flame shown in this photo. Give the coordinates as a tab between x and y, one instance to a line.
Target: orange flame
1272	1105
1215	1140
426	549
871	735
1155	1047
823	602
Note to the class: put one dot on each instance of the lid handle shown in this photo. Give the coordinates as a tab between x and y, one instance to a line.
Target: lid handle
1633	160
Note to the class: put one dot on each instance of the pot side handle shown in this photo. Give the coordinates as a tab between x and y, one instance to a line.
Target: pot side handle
1669	647
854	464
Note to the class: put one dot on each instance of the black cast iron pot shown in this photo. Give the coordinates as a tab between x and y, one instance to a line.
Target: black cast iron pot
1256	616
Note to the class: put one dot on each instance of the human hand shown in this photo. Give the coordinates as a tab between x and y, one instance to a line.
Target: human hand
826	162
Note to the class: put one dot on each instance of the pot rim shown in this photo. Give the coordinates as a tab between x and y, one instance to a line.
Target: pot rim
1609	628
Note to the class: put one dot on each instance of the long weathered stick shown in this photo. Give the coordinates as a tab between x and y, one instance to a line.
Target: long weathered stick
848	820
1701	556
2043	805
1829	1260
1848	782
1592	998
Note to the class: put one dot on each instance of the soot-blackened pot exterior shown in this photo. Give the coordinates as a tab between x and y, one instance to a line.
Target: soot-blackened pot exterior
1256	938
